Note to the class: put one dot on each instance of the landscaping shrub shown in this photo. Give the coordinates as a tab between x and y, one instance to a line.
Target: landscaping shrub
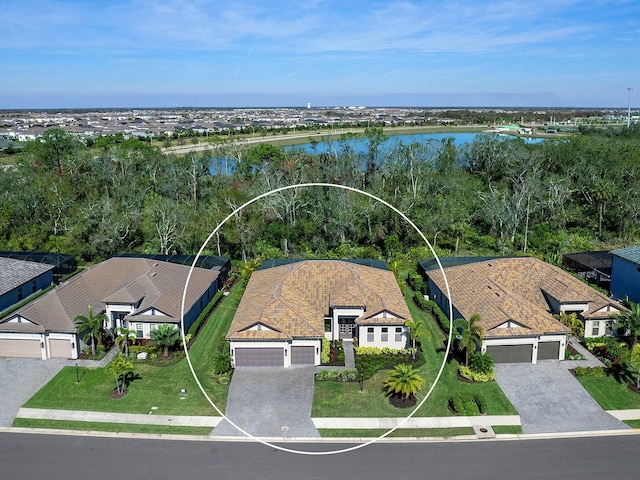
440	316
371	359
481	363
594	372
335	375
609	350
467	403
325	351
420	301
479	377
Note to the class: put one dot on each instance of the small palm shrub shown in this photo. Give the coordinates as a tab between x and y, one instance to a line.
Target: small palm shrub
481	363
403	382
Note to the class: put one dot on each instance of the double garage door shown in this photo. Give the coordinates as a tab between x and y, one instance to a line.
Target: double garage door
273	357
523	353
20	348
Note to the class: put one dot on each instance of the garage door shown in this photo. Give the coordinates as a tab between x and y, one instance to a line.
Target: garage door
59	348
259	357
548	350
303	356
510	353
20	348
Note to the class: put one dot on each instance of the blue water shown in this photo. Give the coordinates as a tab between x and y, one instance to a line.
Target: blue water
359	145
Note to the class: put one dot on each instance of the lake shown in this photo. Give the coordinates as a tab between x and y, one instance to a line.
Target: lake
359	145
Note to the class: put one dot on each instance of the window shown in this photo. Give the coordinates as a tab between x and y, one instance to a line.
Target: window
595	331
33	286
327	324
608	330
139	331
398	334
385	334
370	334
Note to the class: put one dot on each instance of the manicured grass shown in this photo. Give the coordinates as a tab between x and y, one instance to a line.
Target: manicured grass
110	427
154	386
633	423
401	432
333	399
610	394
507	429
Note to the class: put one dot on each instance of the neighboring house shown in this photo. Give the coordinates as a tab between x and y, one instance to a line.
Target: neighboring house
135	293
63	264
287	310
625	274
516	299
20	279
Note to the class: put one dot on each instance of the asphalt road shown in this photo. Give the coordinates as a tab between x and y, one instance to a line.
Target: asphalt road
73	457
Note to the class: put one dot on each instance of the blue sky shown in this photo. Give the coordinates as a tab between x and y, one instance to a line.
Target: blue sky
164	53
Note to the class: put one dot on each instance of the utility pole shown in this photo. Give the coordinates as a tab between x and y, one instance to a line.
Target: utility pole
629	110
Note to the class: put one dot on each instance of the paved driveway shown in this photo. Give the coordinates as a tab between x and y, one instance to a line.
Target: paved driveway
550	399
270	402
20	378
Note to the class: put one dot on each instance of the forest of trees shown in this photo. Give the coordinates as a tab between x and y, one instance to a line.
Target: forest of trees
495	195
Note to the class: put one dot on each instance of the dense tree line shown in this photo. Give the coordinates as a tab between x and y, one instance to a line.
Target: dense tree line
494	195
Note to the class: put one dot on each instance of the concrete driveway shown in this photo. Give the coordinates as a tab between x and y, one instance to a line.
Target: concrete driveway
550	400
20	379
270	403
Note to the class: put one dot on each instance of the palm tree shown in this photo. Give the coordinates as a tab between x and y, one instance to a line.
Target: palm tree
123	336
165	336
630	321
403	381
118	370
417	330
93	325
469	334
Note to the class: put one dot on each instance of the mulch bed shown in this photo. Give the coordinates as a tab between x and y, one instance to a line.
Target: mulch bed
115	394
401	402
465	380
633	388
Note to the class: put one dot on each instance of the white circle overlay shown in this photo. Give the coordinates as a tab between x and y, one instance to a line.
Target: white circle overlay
307	185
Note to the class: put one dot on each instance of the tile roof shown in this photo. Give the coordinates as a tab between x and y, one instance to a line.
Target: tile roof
14	273
293	299
116	280
518	290
631	253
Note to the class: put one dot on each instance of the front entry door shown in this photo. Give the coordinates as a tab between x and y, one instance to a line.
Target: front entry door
347	326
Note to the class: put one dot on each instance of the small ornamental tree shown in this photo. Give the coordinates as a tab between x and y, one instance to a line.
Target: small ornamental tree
417	331
469	335
123	337
165	336
630	322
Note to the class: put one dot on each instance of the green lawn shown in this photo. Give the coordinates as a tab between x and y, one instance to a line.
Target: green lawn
335	399
155	386
110	427
610	394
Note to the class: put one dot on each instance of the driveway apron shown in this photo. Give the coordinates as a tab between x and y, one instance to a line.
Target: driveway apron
20	379
550	400
270	402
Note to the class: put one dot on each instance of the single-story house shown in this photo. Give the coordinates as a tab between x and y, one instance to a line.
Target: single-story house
516	299
135	293
287	310
625	274
63	264
20	279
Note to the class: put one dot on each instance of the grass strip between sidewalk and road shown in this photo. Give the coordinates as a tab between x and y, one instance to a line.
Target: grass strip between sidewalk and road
400	433
110	427
158	387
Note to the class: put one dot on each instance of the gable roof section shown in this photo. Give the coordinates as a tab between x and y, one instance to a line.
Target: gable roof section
295	298
117	280
18	272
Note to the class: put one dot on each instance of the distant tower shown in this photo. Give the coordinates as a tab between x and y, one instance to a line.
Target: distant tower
308	106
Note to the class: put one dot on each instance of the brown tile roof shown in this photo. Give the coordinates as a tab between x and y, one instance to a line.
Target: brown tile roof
516	289
294	299
116	280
